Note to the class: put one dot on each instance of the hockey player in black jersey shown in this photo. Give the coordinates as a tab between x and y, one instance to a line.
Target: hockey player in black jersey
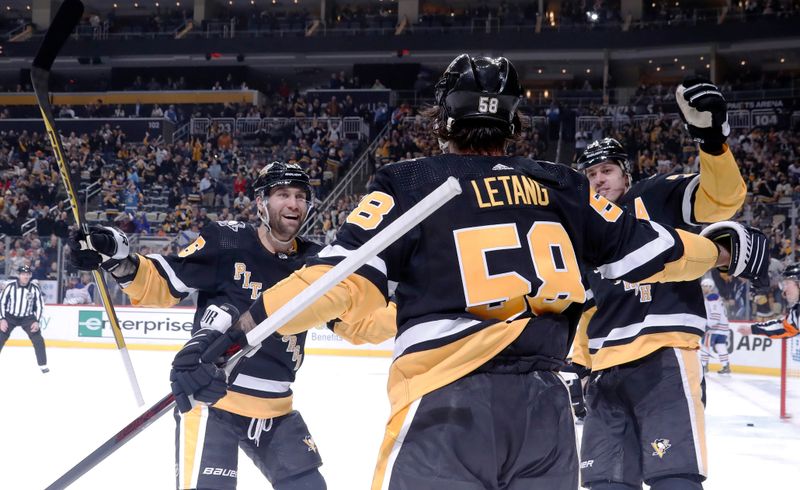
645	397
789	325
231	262
489	294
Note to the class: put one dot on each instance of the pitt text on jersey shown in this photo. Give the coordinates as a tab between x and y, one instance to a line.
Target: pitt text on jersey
240	272
509	190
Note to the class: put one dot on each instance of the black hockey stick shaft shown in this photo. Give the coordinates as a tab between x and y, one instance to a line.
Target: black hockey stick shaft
65	20
115	442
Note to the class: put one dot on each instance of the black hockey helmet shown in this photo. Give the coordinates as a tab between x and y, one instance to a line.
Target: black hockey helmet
280	173
601	151
24	268
481	89
792	271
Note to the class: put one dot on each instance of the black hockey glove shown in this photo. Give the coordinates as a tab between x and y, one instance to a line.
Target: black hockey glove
104	246
704	113
194	370
749	250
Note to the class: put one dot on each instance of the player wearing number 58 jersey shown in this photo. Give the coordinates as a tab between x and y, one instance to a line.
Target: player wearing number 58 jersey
641	340
489	294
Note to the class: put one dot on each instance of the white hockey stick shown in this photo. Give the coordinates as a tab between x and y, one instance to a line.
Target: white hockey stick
411	218
375	245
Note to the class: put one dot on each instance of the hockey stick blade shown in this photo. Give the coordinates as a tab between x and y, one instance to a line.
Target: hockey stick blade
115	442
411	218
67	17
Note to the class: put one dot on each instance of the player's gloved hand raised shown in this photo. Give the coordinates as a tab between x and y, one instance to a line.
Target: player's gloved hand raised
749	249
194	371
103	246
704	112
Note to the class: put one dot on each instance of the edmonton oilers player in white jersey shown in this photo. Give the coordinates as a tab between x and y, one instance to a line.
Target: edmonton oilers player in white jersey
718	330
489	293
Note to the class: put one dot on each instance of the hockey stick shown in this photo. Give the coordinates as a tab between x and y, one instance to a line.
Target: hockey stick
67	17
411	218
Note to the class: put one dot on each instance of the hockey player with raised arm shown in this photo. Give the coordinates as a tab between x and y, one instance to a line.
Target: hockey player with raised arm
645	396
230	262
489	293
789	325
717	328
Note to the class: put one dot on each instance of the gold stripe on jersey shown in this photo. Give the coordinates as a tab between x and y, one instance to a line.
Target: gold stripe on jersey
351	300
699	255
691	371
380	325
580	346
393	432
641	346
149	287
413	375
721	191
191	434
253	406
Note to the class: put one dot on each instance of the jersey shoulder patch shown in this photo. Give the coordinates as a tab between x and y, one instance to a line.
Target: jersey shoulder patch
232	225
712	297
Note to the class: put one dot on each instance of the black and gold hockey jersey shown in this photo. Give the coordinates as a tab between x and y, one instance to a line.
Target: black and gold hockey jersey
629	320
228	264
511	247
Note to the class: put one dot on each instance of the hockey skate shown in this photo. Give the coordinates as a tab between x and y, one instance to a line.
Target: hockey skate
726	369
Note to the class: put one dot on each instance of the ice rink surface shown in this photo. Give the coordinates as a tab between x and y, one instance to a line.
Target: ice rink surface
48	422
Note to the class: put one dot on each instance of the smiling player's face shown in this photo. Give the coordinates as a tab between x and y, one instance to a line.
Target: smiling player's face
287	209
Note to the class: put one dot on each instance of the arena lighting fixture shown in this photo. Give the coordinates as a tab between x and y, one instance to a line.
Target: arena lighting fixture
528	94
588	70
27	7
546	93
708	65
592	16
658	68
702	58
539	71
683	67
675	60
650	62
783	60
563	70
115	5
743	62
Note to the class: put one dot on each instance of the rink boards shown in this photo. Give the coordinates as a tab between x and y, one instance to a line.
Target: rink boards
158	329
168	328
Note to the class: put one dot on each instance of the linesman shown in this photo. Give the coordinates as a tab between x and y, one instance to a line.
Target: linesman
21	305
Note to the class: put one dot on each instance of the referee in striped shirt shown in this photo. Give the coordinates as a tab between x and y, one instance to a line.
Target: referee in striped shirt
21	306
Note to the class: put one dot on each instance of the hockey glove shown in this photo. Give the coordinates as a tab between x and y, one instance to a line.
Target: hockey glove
749	250
704	113
194	370
104	246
